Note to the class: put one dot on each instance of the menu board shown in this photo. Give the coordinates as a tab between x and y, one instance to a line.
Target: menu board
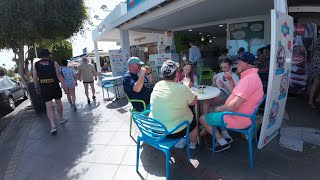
280	66
249	35
118	62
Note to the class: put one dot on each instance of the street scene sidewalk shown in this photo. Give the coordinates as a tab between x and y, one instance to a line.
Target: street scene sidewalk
95	144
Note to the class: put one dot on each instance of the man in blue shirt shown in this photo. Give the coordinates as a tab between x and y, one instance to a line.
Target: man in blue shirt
137	86
194	53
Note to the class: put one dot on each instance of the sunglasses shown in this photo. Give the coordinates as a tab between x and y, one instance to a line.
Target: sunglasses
187	62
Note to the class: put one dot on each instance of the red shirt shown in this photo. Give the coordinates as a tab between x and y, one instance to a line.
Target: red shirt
180	76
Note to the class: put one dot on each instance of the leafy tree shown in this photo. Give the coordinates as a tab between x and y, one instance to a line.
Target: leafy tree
3	71
61	50
26	23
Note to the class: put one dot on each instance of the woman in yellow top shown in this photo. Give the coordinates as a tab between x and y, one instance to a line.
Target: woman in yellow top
170	103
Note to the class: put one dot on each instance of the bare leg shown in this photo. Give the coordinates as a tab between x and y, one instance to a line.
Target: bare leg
73	95
207	104
314	91
209	128
68	96
193	135
86	89
60	109
92	89
50	113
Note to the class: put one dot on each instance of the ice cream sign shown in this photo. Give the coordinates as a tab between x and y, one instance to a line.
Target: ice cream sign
133	3
279	74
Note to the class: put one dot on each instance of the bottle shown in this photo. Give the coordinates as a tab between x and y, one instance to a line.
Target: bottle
299	54
186	80
195	81
298	66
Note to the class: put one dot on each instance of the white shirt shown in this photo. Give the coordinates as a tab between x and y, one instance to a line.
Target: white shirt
219	76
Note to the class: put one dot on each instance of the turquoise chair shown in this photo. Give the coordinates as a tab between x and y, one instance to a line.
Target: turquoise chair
133	110
247	131
154	133
106	85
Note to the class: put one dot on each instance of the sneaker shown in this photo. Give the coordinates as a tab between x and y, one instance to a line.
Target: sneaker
181	144
192	145
229	140
219	148
53	131
89	101
74	107
93	97
65	120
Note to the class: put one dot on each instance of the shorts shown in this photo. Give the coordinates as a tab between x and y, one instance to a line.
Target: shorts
183	132
214	119
70	85
50	91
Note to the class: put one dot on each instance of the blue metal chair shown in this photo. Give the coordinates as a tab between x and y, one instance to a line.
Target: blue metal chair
106	85
154	133
247	131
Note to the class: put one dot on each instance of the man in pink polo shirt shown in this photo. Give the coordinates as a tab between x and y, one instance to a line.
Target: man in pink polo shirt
244	99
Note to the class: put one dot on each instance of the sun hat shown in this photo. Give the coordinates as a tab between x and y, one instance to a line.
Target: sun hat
135	60
169	67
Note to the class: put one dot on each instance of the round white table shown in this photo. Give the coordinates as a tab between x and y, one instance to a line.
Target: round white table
209	92
114	80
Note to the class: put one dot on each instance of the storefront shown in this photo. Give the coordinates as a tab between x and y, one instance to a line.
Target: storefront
231	24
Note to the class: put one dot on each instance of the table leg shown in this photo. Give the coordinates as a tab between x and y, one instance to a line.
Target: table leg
196	111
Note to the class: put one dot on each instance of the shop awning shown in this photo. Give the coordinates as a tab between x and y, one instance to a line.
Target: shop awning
178	14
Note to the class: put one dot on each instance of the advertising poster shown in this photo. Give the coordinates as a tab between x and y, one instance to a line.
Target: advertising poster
282	30
304	37
118	62
249	35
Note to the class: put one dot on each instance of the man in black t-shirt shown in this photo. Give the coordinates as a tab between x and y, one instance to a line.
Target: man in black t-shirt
46	77
137	86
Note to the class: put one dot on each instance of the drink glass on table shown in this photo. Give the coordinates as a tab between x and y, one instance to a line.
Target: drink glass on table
186	80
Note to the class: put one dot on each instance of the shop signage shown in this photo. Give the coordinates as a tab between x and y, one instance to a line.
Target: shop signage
118	62
280	66
133	3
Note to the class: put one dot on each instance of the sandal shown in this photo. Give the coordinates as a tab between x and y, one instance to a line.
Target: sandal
61	122
53	131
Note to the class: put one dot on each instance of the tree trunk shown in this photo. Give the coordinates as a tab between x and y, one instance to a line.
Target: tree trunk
20	63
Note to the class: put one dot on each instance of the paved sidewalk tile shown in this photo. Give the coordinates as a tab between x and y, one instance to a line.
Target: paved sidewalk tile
129	172
100	171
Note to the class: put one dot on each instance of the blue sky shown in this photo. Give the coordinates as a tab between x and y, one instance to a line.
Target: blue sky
78	41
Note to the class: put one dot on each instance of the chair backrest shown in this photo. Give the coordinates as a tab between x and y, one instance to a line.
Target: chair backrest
262	100
103	83
151	129
253	114
137	101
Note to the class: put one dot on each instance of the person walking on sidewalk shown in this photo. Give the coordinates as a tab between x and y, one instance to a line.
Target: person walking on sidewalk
46	77
86	73
70	80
